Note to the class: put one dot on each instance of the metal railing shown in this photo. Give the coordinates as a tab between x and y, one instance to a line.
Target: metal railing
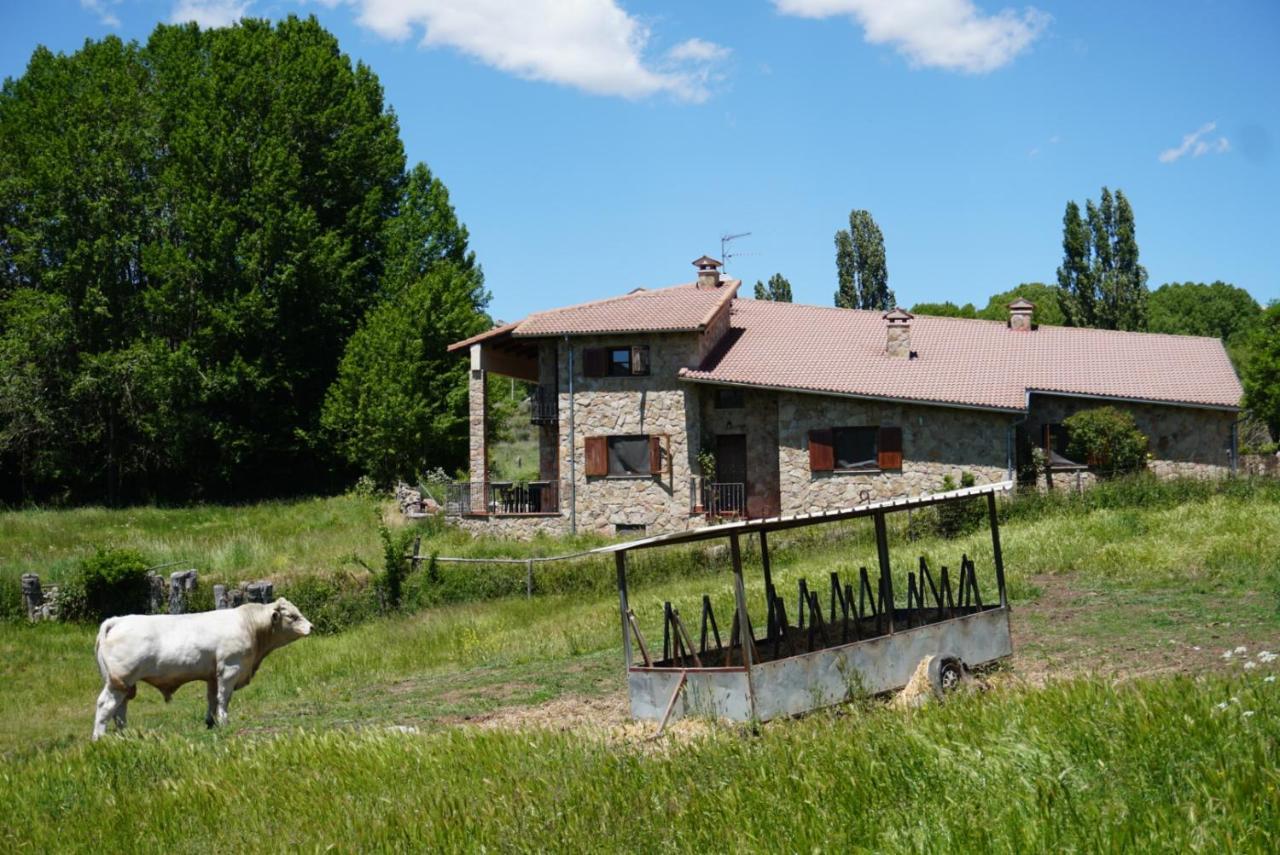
720	499
544	405
502	497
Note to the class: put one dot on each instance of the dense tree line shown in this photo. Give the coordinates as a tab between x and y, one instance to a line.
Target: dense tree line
191	230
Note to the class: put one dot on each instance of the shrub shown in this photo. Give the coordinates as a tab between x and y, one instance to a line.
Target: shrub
1106	438
333	603
11	605
108	583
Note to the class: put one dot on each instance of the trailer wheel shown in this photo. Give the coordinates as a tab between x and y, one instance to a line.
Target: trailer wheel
950	673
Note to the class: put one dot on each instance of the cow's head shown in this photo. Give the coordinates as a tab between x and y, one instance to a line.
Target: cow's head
286	618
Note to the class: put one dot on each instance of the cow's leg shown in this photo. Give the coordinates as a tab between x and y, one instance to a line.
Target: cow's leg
109	701
212	697
227	677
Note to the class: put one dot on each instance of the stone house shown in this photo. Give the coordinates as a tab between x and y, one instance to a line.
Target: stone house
659	409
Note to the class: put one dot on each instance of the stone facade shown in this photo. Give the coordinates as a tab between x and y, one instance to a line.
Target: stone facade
1183	440
936	442
757	419
478	396
654	404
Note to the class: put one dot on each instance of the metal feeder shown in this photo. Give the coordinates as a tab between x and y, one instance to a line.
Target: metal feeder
857	640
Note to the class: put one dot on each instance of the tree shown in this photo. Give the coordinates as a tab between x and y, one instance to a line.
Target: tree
1260	369
944	310
1218	310
778	289
1101	284
1048	311
399	403
206	216
861	270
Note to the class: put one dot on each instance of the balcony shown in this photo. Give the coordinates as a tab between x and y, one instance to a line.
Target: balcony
544	405
514	498
718	500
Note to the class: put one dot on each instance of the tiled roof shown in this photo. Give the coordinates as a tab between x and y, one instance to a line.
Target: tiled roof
961	362
681	308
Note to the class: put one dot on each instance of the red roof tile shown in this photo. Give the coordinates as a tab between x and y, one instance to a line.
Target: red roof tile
962	362
681	308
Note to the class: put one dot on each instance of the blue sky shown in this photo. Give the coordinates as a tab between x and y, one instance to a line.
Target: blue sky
598	145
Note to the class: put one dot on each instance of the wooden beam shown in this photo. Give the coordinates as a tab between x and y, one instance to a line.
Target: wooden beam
995	549
886	572
620	560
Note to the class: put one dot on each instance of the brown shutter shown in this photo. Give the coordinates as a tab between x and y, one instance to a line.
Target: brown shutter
889	448
822	455
655	454
597	454
595	361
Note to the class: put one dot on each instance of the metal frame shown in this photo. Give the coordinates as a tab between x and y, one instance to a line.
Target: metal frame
889	641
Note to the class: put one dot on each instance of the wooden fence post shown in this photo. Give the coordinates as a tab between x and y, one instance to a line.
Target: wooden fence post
32	596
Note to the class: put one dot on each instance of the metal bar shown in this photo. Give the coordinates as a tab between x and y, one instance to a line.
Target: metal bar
740	594
644	648
671	704
995	549
886	572
621	564
528	579
802	602
667	648
764	560
685	640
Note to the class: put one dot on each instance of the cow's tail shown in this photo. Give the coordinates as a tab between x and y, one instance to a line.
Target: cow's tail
97	647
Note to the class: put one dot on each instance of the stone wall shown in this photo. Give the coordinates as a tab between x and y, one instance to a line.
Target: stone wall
548	435
653	404
1183	440
936	442
515	527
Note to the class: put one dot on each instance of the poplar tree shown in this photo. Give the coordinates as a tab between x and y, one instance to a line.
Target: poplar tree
862	273
778	289
1101	283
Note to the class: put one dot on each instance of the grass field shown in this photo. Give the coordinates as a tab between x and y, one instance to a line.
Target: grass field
1103	732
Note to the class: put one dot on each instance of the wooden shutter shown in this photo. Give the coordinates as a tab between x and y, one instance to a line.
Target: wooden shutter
655	454
889	448
595	361
597	454
822	454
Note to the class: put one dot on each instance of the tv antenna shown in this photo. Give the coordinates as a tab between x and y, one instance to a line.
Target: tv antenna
725	255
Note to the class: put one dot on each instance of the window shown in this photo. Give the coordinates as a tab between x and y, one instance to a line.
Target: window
628	361
629	455
626	455
729	398
629	528
855	449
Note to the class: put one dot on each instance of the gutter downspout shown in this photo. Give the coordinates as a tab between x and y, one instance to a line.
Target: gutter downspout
1235	446
1009	441
573	454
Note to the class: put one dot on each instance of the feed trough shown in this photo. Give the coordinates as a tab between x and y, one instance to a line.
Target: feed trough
816	647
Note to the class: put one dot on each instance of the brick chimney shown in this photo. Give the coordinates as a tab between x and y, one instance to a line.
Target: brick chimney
1020	315
898	343
708	273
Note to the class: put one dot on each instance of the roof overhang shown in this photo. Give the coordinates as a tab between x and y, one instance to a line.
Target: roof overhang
1122	400
954	405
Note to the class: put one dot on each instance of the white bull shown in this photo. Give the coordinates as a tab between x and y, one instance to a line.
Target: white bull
222	648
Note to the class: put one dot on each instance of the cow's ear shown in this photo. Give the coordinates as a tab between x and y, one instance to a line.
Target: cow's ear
277	614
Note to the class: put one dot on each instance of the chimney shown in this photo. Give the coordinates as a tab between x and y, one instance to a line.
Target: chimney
1020	315
898	343
708	273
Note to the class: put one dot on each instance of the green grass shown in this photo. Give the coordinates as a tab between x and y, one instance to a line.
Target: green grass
1114	585
1081	766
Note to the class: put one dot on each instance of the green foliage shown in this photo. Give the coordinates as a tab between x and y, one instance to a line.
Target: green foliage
1106	438
945	310
1218	310
108	583
1101	284
1260	371
333	602
192	229
861	269
778	289
1047	312
950	520
397	547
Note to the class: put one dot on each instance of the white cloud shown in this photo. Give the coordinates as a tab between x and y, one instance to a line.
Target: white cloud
949	34
209	13
589	44
1197	143
102	8
698	50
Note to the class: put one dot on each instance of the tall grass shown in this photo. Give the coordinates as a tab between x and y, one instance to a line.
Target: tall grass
1080	766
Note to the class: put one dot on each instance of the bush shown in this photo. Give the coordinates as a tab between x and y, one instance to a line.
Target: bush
1106	438
11	605
333	603
952	519
109	583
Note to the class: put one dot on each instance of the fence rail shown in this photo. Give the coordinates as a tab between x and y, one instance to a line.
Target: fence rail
718	499
544	405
